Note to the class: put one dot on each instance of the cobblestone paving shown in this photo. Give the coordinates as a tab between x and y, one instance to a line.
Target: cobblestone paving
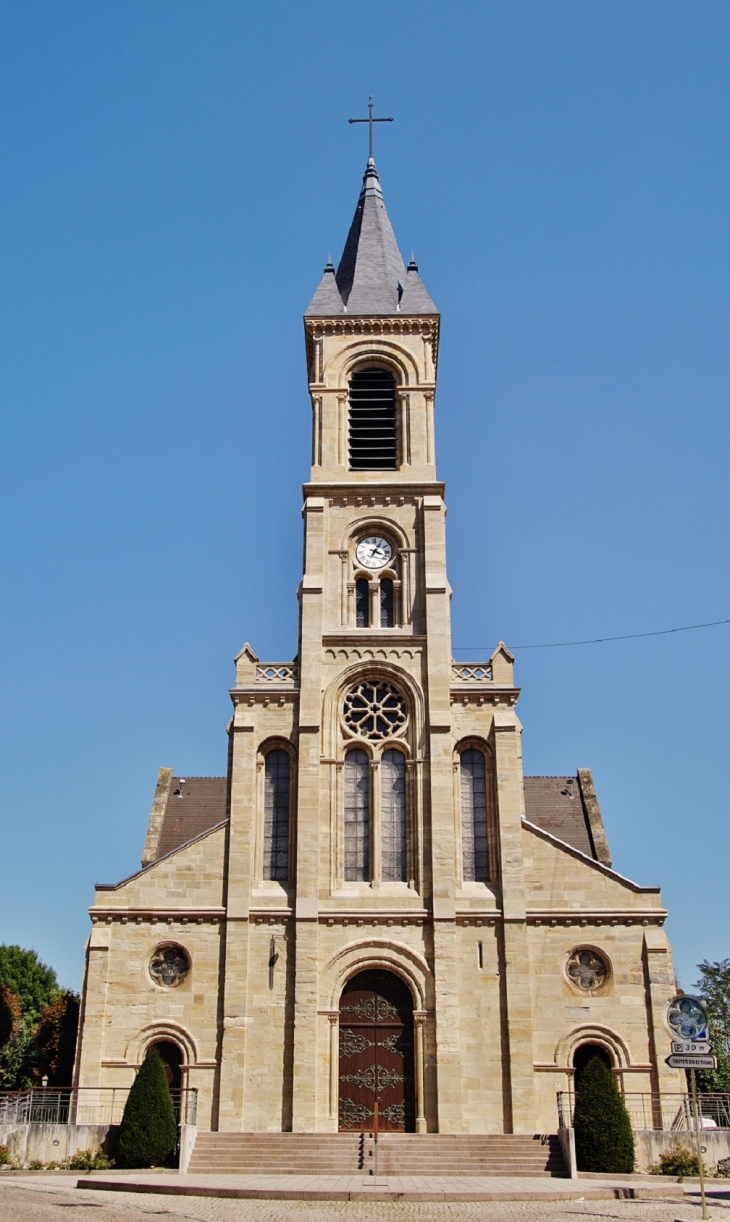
57	1200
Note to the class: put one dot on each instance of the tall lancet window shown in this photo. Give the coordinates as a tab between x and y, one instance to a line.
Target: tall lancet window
373	421
393	816
474	817
357	817
277	777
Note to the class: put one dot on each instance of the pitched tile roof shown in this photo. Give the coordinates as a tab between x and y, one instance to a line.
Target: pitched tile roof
194	804
555	803
371	277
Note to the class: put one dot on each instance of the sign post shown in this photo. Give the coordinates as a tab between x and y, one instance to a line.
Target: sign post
693	1076
686	1018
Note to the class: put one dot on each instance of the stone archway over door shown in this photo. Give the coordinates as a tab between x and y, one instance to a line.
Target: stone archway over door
376	1054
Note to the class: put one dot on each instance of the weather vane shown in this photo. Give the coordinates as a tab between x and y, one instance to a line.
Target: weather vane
370	120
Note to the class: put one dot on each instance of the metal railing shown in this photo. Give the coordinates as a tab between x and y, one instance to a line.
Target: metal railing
84	1105
664	1111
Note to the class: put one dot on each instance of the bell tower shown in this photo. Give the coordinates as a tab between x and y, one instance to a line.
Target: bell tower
374	621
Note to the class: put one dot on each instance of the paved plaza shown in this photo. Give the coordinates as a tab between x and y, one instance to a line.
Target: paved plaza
46	1198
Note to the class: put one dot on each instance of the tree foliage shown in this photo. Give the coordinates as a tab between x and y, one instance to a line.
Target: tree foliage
34	982
604	1140
55	1041
714	986
148	1133
17	1058
10	1013
38	1023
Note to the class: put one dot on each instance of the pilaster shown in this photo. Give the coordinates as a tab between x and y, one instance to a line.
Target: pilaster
93	1016
660	989
304	1116
515	965
237	934
448	1039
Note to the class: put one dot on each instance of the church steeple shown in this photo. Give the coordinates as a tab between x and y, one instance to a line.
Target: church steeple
371	278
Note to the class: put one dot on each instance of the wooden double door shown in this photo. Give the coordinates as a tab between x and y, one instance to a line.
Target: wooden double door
376	1054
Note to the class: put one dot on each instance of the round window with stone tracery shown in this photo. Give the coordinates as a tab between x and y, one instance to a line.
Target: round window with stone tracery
169	966
587	970
374	710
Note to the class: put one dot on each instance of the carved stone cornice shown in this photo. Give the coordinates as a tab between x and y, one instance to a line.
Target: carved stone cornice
318	329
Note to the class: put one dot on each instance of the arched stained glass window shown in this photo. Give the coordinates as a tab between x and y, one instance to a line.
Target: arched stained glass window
386	603
277	775
393	816
357	816
474	817
362	603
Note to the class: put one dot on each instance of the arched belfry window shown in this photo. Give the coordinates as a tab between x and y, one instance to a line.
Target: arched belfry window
277	784
475	847
373	421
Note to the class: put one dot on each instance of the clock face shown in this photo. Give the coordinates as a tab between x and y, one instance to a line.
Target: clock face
373	552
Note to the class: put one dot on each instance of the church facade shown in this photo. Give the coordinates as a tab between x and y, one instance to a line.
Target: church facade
375	917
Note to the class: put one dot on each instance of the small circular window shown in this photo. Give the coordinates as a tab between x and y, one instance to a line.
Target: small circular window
375	711
169	966
587	970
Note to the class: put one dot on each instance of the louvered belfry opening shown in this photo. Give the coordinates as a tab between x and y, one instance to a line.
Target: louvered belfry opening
373	423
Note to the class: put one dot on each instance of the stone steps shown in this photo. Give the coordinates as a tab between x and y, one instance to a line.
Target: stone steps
398	1154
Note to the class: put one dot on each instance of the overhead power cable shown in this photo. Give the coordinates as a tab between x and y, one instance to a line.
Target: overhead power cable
600	640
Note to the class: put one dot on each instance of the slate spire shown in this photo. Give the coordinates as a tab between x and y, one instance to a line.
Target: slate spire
371	277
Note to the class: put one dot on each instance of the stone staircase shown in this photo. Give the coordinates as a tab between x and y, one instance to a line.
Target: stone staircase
398	1154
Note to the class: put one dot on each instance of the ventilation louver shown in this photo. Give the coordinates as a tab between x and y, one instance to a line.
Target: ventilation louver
373	440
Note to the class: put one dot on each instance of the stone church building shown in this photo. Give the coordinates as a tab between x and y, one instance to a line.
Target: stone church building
375	907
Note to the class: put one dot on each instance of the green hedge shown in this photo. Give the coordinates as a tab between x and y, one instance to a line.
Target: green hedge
604	1140
148	1133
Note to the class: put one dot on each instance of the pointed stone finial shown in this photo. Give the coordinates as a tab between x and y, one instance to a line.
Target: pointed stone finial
245	661
503	665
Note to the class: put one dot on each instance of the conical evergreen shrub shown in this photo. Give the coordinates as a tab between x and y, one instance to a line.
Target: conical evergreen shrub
604	1140
148	1133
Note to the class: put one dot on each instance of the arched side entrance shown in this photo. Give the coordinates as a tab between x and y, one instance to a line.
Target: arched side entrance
376	1054
584	1054
172	1059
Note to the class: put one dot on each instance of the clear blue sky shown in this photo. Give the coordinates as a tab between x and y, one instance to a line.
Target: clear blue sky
173	177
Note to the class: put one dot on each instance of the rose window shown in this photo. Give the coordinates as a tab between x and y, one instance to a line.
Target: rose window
169	966
587	970
374	710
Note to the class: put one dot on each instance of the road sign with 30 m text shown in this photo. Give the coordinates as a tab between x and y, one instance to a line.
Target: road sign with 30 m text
695	1048
689	1062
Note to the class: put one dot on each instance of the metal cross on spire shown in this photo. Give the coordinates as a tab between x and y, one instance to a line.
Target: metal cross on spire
370	120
